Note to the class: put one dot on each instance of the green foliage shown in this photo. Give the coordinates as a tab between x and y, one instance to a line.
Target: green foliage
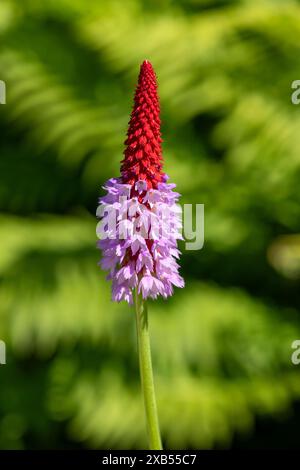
222	346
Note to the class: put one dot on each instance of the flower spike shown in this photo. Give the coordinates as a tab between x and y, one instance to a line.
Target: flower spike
140	249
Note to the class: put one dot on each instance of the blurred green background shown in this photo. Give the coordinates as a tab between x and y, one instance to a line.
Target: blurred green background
221	346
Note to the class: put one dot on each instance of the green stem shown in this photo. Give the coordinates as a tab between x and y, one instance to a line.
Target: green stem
147	373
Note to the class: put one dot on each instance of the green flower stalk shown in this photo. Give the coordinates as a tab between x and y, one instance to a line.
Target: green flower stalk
146	372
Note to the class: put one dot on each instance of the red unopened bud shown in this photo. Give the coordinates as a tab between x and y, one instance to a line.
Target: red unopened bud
143	154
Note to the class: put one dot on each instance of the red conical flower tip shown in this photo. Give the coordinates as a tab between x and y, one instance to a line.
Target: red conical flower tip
143	154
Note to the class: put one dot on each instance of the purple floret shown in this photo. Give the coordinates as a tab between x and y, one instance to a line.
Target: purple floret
139	229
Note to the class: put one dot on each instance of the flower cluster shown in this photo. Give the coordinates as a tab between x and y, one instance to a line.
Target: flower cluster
141	221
